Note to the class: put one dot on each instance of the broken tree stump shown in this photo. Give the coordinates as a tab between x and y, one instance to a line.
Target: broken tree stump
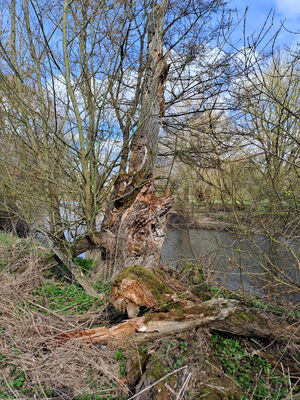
137	287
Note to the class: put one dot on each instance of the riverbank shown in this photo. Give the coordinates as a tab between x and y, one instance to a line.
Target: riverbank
206	221
243	222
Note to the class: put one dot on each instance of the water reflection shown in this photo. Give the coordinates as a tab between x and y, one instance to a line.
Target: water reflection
242	264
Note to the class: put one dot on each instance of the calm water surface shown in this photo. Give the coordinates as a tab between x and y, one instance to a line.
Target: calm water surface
240	264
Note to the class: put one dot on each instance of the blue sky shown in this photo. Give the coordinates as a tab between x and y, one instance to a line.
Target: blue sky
287	11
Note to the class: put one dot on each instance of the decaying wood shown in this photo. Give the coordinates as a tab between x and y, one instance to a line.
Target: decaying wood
137	287
172	308
218	314
134	234
160	323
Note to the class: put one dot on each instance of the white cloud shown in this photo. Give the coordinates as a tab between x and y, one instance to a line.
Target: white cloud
289	8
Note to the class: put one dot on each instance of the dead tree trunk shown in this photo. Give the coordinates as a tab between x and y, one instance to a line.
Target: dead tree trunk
134	225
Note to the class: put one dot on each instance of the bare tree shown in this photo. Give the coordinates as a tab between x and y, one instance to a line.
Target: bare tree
270	118
83	103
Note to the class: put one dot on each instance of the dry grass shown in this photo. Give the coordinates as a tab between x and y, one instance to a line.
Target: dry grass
25	344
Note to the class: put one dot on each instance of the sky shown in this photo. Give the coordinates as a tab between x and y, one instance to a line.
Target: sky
287	11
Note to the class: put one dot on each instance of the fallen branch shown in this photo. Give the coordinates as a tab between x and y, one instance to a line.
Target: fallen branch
216	314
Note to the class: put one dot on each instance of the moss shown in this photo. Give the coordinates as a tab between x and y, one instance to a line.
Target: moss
242	317
180	313
136	360
201	292
206	311
155	369
148	279
161	316
246	316
193	273
170	305
156	317
180	316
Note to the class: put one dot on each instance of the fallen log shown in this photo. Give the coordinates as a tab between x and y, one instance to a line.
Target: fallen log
172	308
218	314
158	324
162	310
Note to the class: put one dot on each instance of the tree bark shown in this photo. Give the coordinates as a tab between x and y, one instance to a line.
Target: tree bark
174	312
134	234
134	225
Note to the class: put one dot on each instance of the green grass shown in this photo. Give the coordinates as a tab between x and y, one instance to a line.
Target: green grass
69	297
85	264
7	239
120	357
256	377
17	383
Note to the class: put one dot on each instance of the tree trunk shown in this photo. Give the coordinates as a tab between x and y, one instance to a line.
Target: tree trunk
134	225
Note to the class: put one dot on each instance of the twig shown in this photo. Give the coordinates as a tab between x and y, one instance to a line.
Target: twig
155	383
49	311
183	387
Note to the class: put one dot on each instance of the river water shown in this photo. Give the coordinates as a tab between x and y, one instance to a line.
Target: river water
243	264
